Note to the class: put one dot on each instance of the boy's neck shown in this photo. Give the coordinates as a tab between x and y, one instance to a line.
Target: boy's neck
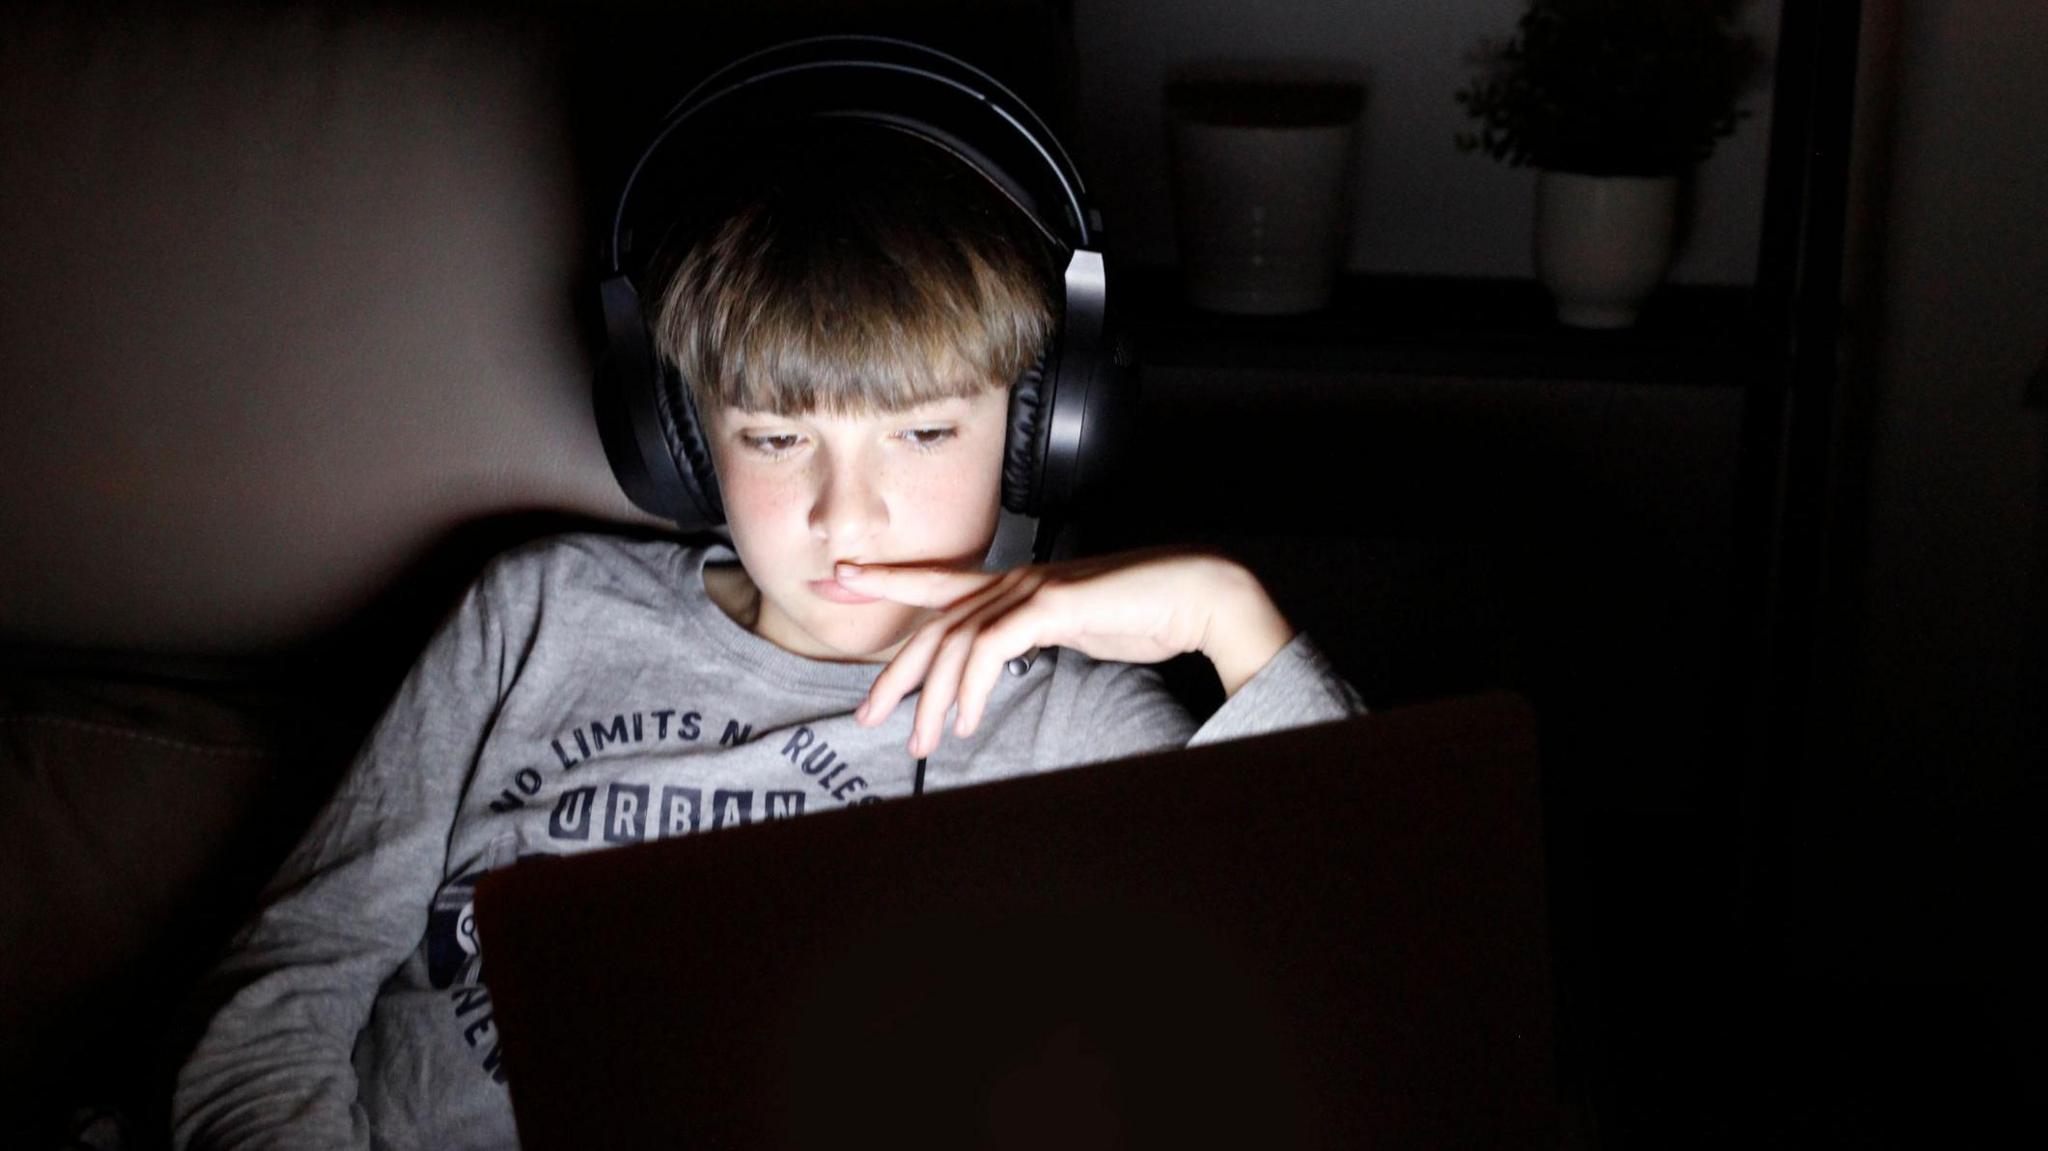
735	594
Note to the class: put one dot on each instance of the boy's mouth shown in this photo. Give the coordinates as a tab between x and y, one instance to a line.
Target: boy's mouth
837	592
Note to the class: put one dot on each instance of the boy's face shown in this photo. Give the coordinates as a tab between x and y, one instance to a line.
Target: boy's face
803	492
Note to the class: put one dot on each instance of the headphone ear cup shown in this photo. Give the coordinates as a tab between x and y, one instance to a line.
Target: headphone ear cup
685	437
621	446
1023	443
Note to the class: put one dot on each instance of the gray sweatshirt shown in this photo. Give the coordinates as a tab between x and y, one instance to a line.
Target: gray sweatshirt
587	693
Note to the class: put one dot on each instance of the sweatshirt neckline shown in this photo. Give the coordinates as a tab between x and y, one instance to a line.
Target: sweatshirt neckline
751	651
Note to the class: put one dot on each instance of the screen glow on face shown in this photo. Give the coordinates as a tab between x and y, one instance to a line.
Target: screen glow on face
804	492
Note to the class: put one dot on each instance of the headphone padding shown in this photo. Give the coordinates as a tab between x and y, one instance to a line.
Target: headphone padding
685	437
1021	447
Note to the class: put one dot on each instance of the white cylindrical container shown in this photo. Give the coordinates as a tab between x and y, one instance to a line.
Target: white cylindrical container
1262	177
1603	243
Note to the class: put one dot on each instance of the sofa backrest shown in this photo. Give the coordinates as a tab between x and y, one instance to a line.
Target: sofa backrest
290	293
285	292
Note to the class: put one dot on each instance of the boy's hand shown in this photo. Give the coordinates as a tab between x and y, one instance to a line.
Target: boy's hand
1138	607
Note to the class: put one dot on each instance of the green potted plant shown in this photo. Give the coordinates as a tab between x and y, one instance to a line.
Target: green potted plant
1613	101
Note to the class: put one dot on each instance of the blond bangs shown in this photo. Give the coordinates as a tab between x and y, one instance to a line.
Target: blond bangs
867	292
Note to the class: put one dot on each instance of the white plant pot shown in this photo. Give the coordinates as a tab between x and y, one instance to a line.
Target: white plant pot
1603	243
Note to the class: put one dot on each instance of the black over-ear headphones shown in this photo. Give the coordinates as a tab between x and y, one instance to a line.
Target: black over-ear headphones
1068	413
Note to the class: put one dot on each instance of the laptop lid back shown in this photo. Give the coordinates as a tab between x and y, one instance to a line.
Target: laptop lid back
1327	937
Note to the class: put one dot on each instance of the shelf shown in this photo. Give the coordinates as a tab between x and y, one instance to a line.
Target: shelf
1445	326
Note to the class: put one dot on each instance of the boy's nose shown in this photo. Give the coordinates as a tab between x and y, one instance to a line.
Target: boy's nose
849	507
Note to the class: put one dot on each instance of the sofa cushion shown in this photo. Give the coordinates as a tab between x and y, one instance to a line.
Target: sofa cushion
141	818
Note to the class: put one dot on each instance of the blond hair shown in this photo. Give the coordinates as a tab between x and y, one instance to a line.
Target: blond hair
850	272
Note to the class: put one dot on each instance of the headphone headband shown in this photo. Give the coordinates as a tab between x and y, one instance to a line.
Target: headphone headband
821	59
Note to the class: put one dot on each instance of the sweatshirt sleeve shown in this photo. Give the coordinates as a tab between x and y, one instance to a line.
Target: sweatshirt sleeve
349	904
1115	710
1297	688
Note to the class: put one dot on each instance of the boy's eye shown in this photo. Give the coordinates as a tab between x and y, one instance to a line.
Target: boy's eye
773	445
927	439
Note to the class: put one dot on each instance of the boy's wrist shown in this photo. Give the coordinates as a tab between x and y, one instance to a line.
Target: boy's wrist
1245	630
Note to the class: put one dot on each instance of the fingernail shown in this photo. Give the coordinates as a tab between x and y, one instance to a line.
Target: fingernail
845	570
860	714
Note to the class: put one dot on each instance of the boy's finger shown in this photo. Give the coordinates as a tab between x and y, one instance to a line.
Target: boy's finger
909	667
945	681
913	662
996	648
941	688
1008	628
902	674
917	586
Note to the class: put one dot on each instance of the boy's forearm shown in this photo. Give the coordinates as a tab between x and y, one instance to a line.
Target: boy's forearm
1246	629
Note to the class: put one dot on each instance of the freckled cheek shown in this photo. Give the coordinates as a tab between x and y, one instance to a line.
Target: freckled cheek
766	520
757	499
958	506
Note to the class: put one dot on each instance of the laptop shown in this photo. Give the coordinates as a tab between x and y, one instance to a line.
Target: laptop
1327	937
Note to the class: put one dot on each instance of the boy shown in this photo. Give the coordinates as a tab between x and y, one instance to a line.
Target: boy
849	326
